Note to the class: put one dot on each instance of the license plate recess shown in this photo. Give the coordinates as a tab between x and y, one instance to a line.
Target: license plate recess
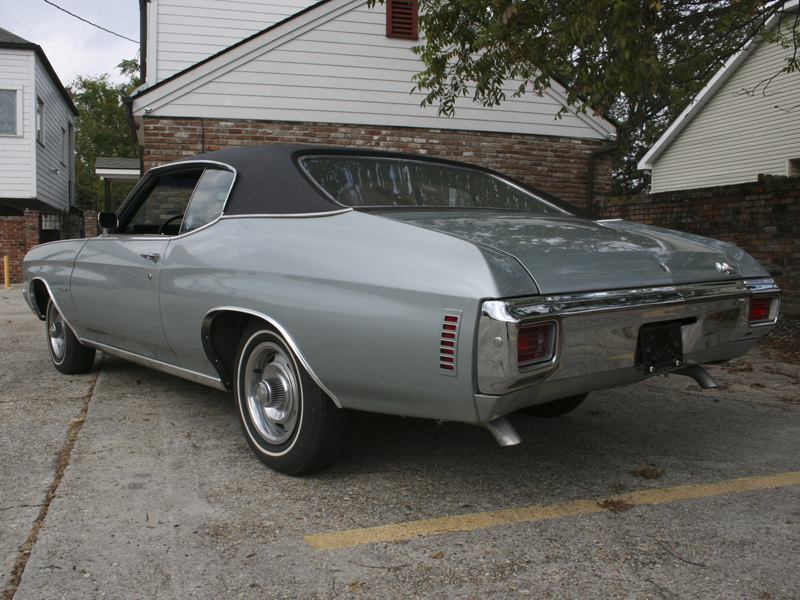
661	346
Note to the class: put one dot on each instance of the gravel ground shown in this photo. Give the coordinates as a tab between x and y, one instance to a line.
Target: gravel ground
127	483
784	340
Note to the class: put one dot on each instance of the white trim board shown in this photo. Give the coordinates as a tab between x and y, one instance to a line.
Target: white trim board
702	98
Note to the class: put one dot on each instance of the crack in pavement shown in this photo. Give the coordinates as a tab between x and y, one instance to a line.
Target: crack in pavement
75	425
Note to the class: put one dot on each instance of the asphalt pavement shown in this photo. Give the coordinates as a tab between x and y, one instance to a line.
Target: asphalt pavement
128	483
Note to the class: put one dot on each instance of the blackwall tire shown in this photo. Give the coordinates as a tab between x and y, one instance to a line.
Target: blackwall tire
69	356
556	408
290	424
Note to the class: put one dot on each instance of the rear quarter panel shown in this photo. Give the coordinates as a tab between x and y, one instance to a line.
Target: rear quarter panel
362	297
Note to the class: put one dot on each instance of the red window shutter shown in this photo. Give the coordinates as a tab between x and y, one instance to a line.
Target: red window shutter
401	19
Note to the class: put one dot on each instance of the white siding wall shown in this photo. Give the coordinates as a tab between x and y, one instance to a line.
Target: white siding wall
738	134
189	31
52	186
16	156
341	68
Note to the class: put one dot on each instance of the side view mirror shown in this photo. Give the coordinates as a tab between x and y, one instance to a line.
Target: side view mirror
107	221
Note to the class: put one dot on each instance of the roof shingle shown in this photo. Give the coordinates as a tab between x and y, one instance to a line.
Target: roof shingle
6	37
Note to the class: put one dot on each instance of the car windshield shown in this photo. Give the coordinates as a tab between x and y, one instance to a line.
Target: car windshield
379	182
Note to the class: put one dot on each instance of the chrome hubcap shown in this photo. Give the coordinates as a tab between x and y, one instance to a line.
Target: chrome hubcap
56	332
272	390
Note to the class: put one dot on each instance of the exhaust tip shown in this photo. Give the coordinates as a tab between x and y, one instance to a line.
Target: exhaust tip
503	432
699	374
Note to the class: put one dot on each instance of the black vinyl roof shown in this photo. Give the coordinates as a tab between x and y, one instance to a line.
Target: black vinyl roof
270	180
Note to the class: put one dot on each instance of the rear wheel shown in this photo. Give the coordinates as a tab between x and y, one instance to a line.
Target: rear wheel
290	424
556	408
68	354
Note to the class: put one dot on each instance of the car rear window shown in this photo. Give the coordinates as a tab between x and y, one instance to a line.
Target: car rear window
379	182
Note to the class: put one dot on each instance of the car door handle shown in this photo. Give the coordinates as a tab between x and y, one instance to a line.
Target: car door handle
153	257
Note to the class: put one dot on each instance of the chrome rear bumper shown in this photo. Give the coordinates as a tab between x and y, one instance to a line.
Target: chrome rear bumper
597	333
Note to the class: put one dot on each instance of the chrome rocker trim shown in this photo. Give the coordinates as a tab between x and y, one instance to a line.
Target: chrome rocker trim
157	365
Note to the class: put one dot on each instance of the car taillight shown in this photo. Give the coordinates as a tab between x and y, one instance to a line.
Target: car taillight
760	310
448	342
535	344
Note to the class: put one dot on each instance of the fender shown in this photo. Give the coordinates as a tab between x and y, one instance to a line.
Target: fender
34	303
224	372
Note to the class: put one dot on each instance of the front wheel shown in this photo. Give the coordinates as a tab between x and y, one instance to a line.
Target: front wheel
68	354
290	424
556	408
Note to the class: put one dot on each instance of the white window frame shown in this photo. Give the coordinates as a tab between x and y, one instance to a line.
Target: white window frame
64	145
39	120
18	90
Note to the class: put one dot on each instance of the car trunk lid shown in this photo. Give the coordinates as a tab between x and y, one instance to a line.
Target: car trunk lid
565	254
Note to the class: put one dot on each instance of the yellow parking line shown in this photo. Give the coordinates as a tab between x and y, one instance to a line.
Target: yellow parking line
404	531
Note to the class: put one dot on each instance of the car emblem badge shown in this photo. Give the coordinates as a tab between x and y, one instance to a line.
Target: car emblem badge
725	268
664	267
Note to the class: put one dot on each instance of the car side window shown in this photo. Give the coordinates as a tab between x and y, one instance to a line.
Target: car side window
163	207
208	200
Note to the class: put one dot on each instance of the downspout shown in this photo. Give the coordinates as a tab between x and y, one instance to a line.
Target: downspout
143	41
590	177
133	126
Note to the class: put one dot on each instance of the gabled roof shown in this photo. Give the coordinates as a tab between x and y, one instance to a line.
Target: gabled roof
170	91
702	98
10	40
144	90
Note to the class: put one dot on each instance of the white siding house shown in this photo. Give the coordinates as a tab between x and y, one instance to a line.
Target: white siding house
745	122
329	63
222	73
37	120
181	33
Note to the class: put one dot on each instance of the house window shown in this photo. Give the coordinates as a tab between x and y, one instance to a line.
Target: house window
64	146
9	102
793	168
401	19
40	120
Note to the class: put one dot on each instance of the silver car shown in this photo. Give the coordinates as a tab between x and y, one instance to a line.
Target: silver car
313	281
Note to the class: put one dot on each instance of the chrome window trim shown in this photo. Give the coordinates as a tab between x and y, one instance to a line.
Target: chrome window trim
178	165
300	161
132	236
194	191
338	211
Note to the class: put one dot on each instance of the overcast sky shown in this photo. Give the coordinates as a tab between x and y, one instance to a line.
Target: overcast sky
72	46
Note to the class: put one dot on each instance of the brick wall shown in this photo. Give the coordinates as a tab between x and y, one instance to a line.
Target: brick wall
90	226
762	218
17	236
556	165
